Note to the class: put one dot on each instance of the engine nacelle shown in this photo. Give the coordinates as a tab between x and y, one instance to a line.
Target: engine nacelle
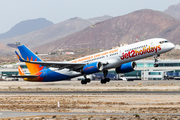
92	68
127	67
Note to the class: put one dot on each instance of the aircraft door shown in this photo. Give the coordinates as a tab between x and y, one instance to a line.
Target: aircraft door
121	53
152	44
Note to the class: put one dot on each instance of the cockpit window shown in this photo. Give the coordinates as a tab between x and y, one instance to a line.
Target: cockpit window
161	42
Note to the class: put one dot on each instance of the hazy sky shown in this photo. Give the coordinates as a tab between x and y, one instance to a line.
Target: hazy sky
14	11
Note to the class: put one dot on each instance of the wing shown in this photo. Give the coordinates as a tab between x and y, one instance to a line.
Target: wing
60	65
23	76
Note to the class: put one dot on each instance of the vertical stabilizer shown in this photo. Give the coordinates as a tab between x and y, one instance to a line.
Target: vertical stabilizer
30	56
27	54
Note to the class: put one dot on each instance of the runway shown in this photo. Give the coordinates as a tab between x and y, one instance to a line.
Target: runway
28	100
89	92
130	94
8	114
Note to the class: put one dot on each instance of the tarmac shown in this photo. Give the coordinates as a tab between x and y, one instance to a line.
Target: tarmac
154	85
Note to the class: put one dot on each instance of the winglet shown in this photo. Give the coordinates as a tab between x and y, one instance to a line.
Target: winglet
19	57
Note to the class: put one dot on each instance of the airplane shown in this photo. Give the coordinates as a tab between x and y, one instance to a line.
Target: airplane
122	59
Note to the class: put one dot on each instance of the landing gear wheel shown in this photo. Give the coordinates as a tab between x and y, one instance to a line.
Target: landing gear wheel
83	82
103	81
88	80
156	60
107	79
155	65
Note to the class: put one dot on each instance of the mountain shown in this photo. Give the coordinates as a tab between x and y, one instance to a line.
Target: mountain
99	19
171	33
174	10
6	50
26	27
53	32
49	34
141	24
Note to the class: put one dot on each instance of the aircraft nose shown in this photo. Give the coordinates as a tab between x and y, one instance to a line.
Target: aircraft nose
171	46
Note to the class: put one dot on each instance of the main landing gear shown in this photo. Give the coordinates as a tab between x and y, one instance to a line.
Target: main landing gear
155	60
103	81
86	80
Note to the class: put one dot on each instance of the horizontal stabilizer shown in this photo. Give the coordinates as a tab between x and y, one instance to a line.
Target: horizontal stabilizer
23	76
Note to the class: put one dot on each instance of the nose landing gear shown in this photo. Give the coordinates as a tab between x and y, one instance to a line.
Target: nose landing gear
155	60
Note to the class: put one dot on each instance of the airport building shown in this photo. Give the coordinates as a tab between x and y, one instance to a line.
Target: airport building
167	69
12	69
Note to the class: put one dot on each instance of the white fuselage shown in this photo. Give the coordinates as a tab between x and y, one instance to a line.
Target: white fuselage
118	56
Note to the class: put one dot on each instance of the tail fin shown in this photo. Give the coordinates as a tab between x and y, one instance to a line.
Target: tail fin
29	56
21	72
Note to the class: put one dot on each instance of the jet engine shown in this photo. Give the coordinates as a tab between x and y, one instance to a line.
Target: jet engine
92	68
127	67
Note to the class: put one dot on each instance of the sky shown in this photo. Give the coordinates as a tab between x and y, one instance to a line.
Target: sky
15	11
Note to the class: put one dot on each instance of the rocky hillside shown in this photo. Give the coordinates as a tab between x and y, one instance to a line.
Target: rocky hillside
6	50
142	24
26	27
174	10
51	33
